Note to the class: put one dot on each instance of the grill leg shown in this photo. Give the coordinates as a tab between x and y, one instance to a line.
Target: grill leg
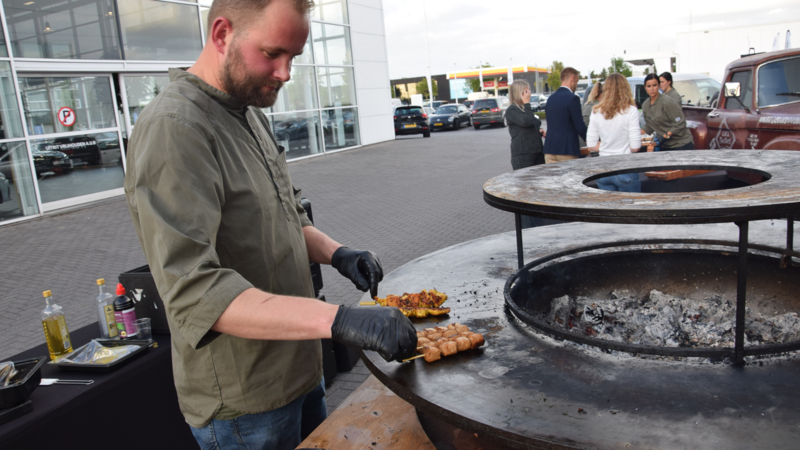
518	224
741	293
787	257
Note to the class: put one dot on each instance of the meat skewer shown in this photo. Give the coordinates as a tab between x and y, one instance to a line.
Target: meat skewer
434	343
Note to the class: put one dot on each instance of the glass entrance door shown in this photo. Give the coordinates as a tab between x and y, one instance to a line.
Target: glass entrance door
74	134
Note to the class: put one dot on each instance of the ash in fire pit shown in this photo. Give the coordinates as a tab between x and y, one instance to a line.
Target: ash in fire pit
667	321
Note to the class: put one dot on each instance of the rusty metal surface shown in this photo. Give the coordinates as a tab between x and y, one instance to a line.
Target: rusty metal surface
557	191
530	389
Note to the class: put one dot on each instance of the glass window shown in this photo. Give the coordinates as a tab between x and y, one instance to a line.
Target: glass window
3	49
298	133
141	90
779	82
161	31
299	93
55	105
73	166
10	124
330	11
331	44
340	127
698	92
64	29
336	86
17	197
308	55
746	97
204	21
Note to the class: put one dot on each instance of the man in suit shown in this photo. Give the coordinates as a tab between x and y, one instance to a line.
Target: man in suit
564	120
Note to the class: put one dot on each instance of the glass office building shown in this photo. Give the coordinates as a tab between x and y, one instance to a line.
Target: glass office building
76	74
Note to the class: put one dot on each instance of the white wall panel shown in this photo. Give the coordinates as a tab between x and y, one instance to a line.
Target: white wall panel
364	19
368	40
368	47
372	75
371	3
374	102
376	129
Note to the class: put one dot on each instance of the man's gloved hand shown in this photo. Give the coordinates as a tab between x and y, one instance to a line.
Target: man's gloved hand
363	268
384	330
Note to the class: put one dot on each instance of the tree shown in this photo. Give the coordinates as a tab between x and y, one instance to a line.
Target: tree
646	70
554	79
618	65
603	74
422	88
592	76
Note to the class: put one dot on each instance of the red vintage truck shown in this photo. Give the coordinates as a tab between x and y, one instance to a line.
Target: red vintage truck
758	107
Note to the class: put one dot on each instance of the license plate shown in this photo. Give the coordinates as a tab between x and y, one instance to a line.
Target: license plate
411	125
438	124
485	111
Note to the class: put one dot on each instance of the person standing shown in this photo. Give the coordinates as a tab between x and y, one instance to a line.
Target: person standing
665	84
665	118
615	124
564	120
595	95
524	126
229	244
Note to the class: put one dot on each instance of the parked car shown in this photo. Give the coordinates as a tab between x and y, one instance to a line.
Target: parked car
5	189
51	161
535	99
437	103
696	89
542	102
468	104
411	120
78	148
490	111
452	116
429	111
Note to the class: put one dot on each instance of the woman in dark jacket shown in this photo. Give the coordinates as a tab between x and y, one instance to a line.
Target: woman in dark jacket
524	128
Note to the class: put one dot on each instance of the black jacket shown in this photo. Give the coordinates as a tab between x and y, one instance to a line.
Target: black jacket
523	126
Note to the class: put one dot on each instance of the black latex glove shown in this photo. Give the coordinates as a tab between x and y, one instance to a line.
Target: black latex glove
384	330
363	268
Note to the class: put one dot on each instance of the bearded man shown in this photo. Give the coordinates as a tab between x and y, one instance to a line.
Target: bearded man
229	244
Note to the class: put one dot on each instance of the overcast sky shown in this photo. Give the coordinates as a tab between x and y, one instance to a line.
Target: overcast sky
585	35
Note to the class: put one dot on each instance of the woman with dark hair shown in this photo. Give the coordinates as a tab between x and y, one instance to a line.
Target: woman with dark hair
665	84
664	117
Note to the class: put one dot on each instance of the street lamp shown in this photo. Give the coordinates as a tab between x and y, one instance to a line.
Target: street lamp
427	53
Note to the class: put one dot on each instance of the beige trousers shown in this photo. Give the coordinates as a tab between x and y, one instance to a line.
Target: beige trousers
550	159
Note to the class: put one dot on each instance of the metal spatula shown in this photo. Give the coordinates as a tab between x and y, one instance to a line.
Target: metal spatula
50	381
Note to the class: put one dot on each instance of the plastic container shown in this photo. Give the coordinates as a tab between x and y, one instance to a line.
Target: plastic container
22	385
143	346
124	314
104	303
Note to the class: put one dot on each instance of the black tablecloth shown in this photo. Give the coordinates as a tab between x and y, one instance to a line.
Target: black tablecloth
133	407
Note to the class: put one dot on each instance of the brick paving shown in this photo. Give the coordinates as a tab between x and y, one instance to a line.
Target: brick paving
401	199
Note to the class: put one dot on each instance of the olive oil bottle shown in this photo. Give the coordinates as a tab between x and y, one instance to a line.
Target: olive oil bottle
55	328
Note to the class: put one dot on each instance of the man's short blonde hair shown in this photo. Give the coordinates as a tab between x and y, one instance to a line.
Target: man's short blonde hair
240	13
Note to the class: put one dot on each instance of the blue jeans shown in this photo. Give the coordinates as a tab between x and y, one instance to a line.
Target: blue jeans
282	428
628	182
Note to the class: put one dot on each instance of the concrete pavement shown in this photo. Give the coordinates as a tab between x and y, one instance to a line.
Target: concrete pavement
401	199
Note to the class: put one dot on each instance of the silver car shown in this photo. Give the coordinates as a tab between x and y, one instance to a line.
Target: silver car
489	111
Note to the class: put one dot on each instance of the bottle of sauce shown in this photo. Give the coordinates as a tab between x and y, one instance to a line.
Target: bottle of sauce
55	328
105	312
125	314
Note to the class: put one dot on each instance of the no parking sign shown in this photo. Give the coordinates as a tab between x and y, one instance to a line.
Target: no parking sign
66	116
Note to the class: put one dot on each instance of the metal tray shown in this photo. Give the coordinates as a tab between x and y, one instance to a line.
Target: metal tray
26	380
110	367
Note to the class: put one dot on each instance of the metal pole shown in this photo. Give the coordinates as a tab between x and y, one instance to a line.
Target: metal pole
787	256
428	55
741	293
518	225
455	77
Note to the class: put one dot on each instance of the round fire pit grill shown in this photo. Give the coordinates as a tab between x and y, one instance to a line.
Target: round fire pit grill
560	191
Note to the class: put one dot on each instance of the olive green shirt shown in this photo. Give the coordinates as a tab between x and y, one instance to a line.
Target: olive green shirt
665	116
673	94
216	213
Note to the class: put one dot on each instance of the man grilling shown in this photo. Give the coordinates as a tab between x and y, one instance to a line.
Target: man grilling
229	245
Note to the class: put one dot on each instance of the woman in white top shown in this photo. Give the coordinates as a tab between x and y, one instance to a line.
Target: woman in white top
615	124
